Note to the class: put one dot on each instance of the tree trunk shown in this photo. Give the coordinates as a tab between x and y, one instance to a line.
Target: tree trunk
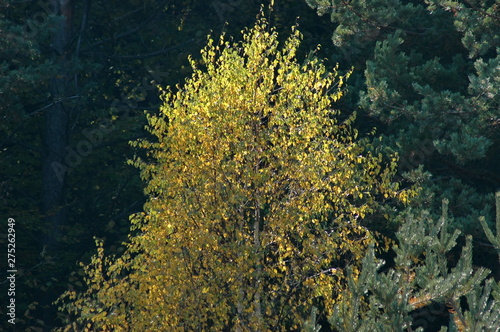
257	299
55	141
55	136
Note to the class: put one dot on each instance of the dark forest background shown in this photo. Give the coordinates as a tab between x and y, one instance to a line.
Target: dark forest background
77	76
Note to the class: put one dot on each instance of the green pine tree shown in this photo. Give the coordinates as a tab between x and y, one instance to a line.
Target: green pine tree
428	74
385	300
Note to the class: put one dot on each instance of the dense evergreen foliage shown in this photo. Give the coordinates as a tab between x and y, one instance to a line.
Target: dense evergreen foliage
421	276
424	81
428	73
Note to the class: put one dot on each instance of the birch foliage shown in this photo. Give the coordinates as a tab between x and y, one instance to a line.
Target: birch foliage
255	193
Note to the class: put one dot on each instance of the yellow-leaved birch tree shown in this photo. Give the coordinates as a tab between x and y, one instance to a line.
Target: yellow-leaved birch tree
255	196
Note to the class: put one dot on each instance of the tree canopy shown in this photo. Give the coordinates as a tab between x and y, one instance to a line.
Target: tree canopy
256	193
422	82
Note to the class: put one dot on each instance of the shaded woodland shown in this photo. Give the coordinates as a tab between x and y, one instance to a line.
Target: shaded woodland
419	94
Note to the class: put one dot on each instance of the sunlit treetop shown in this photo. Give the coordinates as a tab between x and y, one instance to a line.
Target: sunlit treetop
255	193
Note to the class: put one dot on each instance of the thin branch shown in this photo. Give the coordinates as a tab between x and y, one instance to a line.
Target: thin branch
132	31
376	24
152	54
127	14
27	271
83	26
8	138
482	11
52	104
